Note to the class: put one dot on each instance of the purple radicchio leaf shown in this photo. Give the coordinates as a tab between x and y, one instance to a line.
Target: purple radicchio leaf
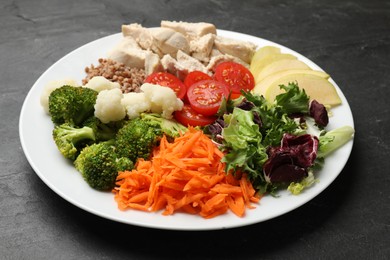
304	148
216	128
289	162
246	105
257	120
319	113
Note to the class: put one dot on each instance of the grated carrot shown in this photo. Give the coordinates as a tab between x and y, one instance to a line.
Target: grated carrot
186	175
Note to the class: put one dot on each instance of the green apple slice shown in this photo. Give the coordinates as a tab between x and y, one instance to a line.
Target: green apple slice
261	63
262	87
264	51
316	87
281	65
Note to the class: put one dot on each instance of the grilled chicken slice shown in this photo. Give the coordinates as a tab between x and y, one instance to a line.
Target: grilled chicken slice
200	48
140	34
152	63
189	62
159	40
215	60
240	49
130	57
171	65
168	41
182	66
190	30
128	52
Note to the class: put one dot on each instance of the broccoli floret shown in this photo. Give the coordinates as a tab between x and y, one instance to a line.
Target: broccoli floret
167	126
139	136
103	132
136	139
69	104
99	165
70	140
123	164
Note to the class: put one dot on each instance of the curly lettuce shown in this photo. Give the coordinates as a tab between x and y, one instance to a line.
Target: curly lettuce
242	140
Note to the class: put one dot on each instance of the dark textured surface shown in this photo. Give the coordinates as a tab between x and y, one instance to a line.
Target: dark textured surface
351	219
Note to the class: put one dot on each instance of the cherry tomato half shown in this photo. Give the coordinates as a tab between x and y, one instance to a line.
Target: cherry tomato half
168	80
187	116
235	76
195	76
205	96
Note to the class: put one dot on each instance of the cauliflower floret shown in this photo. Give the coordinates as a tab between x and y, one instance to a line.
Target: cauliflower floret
135	104
52	85
108	106
154	98
99	83
163	100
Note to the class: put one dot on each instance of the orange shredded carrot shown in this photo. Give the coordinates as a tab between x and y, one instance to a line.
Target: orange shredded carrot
185	175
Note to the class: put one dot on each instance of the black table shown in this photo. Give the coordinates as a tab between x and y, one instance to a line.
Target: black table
351	219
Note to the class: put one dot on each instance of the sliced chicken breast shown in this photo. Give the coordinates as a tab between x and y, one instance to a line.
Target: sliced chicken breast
215	60
172	66
240	49
140	34
190	63
129	53
200	48
152	63
169	41
190	30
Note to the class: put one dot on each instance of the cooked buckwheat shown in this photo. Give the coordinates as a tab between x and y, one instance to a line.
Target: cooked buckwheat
129	78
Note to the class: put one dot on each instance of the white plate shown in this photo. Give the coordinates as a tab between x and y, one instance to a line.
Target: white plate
35	129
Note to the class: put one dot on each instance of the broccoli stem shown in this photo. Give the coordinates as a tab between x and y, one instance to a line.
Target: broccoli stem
79	134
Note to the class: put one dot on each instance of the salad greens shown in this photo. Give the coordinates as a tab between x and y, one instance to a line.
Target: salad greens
271	143
243	138
333	139
297	187
294	100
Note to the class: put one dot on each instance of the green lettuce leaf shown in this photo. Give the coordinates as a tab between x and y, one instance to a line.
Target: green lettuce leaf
294	100
241	129
297	187
242	142
332	140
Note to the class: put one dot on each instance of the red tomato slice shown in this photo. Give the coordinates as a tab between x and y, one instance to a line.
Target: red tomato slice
168	80
187	116
205	96
234	75
195	76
